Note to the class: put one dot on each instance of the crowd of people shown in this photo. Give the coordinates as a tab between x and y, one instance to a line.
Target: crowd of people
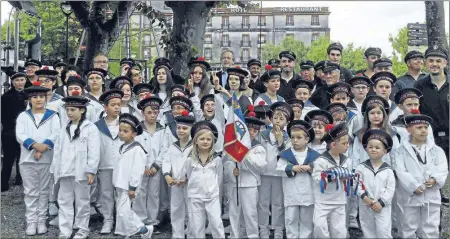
330	150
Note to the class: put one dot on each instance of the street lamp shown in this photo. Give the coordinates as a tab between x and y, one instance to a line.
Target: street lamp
67	10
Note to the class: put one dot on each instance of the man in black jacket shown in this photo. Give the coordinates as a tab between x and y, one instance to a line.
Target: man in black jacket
320	97
334	52
13	103
288	76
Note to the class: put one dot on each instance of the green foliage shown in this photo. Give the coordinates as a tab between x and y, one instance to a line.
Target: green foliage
399	43
288	44
353	58
53	30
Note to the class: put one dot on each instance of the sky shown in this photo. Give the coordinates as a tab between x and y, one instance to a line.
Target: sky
365	23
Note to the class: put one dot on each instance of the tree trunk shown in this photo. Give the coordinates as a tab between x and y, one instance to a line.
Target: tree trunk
435	18
186	40
101	34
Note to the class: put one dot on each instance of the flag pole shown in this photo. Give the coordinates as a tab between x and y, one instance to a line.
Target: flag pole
237	186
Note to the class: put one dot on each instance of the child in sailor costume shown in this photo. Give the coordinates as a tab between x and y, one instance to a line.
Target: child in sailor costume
244	217
127	178
174	172
274	140
303	90
376	186
146	204
360	87
177	90
421	169
108	127
75	83
340	93
375	104
296	165
204	170
140	91
318	119
75	172
37	130
297	107
210	108
385	79
407	100
330	205
125	84
270	78
163	84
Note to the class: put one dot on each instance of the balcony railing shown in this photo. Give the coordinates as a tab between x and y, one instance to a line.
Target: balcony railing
208	41
263	41
225	26
245	59
225	43
246	43
263	24
245	25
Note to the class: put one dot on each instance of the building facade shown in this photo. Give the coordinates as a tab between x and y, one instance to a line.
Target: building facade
245	32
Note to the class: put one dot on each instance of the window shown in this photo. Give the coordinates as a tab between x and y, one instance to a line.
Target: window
245	53
147	52
225	22
208	39
146	23
147	40
262	38
315	20
314	37
245	22
245	40
208	53
261	20
225	40
289	20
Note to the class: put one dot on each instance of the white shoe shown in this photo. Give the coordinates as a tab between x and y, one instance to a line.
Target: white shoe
81	235
52	209
31	229
264	233
227	229
226	216
107	227
42	228
54	222
278	234
149	232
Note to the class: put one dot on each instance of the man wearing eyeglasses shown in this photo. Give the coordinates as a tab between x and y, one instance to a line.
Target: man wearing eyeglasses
31	66
334	52
332	73
372	54
102	62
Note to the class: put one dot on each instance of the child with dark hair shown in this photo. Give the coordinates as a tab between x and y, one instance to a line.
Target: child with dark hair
75	172
36	130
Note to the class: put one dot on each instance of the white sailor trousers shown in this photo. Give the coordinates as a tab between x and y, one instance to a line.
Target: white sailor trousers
299	221
333	213
146	203
54	188
246	213
164	195
72	191
127	222
376	224
271	194
178	210
106	194
202	209
421	219
36	187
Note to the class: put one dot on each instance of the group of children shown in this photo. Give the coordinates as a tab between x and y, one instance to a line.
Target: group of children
308	170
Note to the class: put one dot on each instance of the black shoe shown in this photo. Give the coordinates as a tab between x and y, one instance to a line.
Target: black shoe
444	199
18	180
156	230
4	189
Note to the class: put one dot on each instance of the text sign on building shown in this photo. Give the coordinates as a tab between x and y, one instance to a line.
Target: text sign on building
301	9
417	34
238	10
417	26
418	42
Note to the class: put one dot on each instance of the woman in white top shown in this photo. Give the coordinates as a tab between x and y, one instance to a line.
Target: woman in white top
163	83
124	84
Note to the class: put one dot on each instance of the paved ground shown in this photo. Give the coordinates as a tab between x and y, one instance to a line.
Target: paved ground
13	219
